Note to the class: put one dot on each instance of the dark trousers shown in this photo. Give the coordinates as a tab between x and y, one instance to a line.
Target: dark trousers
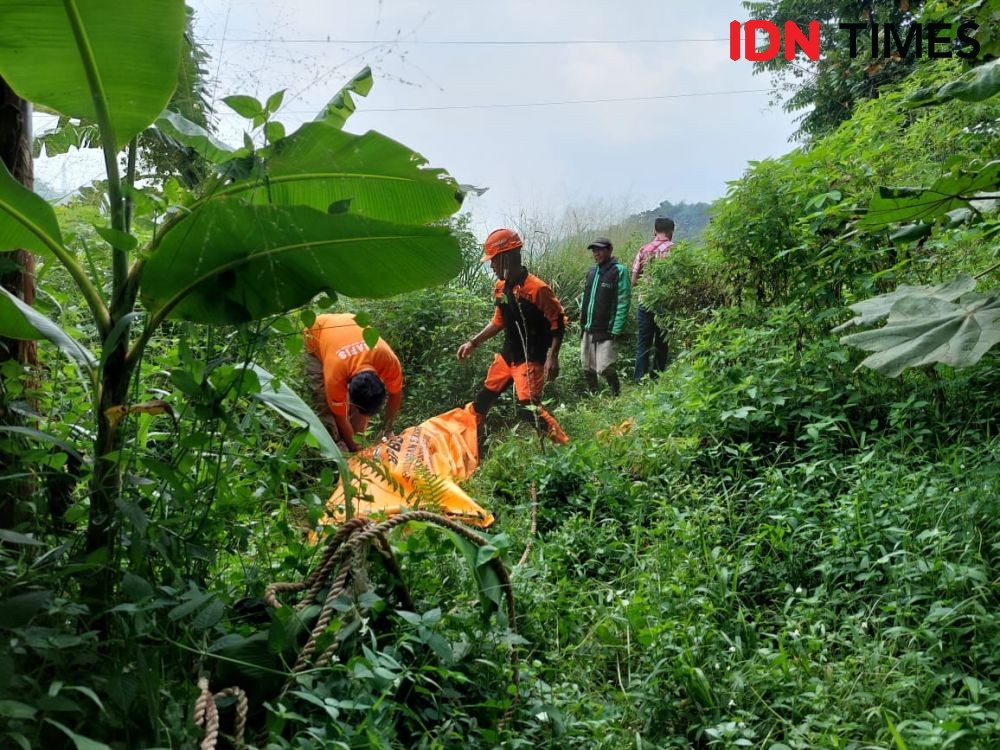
650	339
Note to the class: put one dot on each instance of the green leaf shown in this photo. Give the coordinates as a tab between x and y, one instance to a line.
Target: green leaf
342	105
950	191
244	106
876	309
289	405
194	600
897	738
319	166
209	616
44	328
131	47
84	690
911	232
975	85
118	239
16	710
17	611
370	336
44	437
194	136
487	580
229	262
922	330
27	222
274	131
274	101
13	324
81	742
67	134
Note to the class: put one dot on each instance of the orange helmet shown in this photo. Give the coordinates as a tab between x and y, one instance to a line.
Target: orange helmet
500	241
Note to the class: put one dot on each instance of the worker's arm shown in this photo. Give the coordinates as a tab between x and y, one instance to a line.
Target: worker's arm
489	331
346	431
392	407
552	360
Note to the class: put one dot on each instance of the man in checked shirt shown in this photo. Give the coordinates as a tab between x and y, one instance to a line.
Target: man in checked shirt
650	338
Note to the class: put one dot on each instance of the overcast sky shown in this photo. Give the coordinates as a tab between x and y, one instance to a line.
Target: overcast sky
445	100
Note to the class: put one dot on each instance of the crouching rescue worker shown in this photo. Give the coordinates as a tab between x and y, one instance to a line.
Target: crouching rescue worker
350	381
533	323
607	294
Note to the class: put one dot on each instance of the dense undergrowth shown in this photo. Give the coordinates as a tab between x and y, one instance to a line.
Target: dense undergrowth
765	547
822	576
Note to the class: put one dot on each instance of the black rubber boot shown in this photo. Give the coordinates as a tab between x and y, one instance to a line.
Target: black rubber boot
613	382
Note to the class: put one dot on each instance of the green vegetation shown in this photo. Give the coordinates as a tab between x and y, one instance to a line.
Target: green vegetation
774	545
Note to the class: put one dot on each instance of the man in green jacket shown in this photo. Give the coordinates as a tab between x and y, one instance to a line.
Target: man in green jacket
607	293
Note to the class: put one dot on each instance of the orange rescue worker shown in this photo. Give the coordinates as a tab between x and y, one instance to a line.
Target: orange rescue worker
350	379
533	322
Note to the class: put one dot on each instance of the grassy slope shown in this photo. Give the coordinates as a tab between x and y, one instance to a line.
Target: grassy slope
697	583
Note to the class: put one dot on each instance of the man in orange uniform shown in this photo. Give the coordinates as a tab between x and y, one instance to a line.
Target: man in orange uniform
350	378
533	321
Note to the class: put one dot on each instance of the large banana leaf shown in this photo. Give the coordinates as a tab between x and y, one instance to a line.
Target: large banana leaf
342	105
230	262
21	321
371	175
131	49
194	136
27	222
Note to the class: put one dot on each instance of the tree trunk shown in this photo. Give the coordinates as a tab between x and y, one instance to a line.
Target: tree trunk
15	151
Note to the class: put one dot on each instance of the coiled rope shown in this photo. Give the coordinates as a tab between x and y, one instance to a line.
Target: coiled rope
343	560
206	714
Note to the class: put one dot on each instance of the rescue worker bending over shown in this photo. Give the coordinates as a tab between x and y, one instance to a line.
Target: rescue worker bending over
349	381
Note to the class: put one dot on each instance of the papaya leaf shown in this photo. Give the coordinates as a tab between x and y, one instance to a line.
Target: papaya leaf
194	136
229	262
911	232
15	315
342	105
320	166
27	222
130	49
922	330
876	309
949	192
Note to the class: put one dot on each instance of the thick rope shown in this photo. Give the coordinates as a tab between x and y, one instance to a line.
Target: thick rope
315	580
347	550
206	714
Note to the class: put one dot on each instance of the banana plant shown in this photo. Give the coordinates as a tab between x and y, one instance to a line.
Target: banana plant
317	210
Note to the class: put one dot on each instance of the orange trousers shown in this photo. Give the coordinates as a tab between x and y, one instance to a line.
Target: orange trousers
528	379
